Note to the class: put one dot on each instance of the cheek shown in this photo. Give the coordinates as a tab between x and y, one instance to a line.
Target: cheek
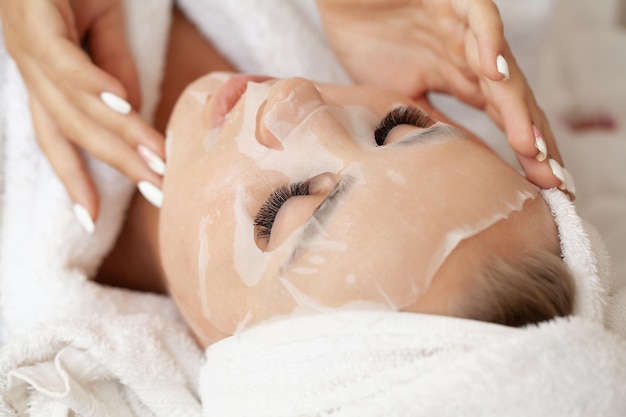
177	237
349	272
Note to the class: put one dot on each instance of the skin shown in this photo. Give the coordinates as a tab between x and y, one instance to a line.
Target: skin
430	45
420	46
372	249
64	83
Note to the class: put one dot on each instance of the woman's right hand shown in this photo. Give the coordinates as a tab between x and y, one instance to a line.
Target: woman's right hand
450	46
77	103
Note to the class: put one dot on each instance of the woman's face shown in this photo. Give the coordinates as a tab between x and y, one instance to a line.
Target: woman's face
279	200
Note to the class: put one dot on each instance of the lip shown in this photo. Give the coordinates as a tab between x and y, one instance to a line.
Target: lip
228	95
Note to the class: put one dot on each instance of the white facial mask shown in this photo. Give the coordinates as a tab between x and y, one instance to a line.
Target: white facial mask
284	160
333	258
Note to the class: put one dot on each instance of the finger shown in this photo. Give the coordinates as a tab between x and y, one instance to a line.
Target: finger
93	81
68	165
539	171
494	115
527	129
517	120
485	23
106	146
92	137
68	29
511	99
540	175
542	130
543	174
130	128
110	51
448	78
75	73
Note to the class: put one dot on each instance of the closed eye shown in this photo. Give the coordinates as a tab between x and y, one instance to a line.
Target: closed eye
267	214
401	116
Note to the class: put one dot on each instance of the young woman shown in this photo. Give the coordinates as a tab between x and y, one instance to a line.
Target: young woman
286	196
91	101
282	196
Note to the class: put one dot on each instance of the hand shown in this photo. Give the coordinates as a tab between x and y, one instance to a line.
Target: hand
65	87
413	47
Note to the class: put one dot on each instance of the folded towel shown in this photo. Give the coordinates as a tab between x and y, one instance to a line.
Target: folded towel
400	364
132	365
584	254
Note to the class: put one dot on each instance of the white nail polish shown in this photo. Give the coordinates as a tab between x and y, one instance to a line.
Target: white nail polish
115	103
503	66
155	163
542	149
569	181
151	193
540	145
84	218
557	170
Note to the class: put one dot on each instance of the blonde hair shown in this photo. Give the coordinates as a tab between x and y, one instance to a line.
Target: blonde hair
536	287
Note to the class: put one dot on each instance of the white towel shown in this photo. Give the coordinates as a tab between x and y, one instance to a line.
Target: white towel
132	365
78	347
46	258
400	364
584	254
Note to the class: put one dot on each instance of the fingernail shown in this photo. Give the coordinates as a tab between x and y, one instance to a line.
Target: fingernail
116	103
151	193
569	181
503	66
155	163
540	144
557	170
84	218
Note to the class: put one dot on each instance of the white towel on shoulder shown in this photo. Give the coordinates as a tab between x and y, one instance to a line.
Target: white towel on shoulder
401	364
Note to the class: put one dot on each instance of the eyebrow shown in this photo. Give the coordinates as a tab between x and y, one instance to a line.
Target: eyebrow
437	131
318	219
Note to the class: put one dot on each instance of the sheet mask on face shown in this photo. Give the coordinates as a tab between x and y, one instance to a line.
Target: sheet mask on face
279	155
398	210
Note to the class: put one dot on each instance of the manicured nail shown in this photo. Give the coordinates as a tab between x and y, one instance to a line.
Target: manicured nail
503	66
557	170
155	163
540	144
84	218
569	181
116	103
151	193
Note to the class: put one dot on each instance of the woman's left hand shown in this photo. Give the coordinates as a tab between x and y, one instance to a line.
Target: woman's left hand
455	47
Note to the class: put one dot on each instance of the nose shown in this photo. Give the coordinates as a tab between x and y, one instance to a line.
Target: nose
289	103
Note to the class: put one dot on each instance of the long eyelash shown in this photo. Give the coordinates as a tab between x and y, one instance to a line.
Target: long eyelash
401	116
269	210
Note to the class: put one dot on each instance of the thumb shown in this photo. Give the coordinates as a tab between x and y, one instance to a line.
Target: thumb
110	51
